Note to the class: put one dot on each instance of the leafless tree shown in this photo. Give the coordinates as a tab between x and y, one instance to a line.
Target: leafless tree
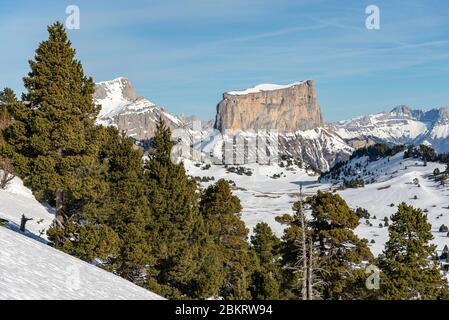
6	172
307	262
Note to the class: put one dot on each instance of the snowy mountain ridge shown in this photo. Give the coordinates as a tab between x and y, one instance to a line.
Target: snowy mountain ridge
402	125
265	87
122	108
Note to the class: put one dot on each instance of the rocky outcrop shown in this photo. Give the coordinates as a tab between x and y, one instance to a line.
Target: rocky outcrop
284	108
122	108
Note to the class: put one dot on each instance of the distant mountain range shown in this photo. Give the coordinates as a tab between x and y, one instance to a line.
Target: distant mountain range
402	125
291	110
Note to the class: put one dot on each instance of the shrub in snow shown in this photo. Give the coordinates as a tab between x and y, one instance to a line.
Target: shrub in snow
444	228
362	213
3	222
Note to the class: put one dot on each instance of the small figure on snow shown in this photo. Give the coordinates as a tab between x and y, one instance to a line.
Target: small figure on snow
23	222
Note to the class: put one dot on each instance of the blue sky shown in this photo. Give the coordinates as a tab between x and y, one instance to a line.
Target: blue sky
184	54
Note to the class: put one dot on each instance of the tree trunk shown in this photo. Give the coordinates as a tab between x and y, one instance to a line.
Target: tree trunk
310	272
303	249
59	218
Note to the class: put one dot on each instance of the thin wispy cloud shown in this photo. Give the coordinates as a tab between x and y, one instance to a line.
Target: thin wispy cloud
184	54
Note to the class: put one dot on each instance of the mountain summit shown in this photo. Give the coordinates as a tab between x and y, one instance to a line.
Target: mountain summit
286	108
121	107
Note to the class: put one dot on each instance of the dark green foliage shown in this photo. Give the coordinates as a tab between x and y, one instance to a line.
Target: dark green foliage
53	137
294	241
362	213
266	280
408	270
118	220
423	152
240	171
339	248
180	239
3	222
354	183
377	151
220	210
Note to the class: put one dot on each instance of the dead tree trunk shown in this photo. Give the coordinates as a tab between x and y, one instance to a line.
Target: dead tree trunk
6	172
23	222
59	218
303	248
310	272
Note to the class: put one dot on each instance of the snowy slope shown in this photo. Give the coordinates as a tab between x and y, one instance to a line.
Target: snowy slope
30	270
264	198
17	200
394	178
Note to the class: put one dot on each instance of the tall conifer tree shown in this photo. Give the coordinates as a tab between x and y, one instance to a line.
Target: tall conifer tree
410	269
177	228
54	128
342	254
221	210
266	280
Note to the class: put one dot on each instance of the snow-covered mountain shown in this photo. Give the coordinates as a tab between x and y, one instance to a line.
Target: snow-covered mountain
317	148
402	125
291	110
294	105
121	107
30	269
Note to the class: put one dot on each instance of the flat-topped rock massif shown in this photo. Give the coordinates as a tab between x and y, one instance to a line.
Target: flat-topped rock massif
287	108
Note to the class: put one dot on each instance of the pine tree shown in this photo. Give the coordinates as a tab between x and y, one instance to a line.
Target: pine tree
341	252
125	208
408	265
220	209
177	228
300	261
266	280
53	134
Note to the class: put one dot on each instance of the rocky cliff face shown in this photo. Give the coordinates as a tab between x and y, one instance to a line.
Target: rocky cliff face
293	110
121	107
284	108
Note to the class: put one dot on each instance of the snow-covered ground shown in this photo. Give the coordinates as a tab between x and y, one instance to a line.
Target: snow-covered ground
395	185
264	198
30	269
16	200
